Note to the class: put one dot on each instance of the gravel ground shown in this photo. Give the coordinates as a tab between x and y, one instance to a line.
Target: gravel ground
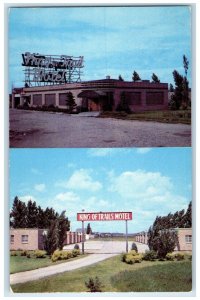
101	250
33	129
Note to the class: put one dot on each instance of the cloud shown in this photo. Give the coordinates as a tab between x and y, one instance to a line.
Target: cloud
68	197
35	171
40	187
81	180
143	150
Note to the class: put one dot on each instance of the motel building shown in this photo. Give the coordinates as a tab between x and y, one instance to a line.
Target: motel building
33	238
49	78
184	238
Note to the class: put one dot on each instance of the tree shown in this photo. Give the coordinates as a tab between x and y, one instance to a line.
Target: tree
165	242
52	239
171	88
123	104
120	78
188	216
89	229
32	214
155	78
185	64
135	76
63	227
70	102
18	215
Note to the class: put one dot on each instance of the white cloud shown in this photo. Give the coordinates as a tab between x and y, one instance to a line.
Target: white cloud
68	197
143	150
40	187
82	180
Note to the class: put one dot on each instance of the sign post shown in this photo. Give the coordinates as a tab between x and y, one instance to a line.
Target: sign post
104	216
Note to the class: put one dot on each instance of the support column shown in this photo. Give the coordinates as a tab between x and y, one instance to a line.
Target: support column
83	237
126	236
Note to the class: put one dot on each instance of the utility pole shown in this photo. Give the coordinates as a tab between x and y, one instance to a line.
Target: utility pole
83	235
126	236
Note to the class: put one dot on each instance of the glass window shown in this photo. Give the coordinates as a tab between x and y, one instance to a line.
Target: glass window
12	238
188	239
37	99
154	98
24	238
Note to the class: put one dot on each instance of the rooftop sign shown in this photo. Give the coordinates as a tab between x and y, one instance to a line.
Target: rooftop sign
105	216
51	69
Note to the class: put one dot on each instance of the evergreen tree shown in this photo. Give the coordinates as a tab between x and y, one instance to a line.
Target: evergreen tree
188	216
41	218
155	78
63	227
18	215
32	214
135	76
52	238
120	78
123	104
171	88
89	229
70	102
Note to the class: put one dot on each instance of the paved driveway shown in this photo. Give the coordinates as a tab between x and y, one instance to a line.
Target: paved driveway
34	129
101	250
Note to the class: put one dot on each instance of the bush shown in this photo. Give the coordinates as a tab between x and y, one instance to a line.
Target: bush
75	252
28	255
170	256
40	253
179	256
76	246
134	247
94	285
23	253
150	255
56	255
13	253
132	257
123	257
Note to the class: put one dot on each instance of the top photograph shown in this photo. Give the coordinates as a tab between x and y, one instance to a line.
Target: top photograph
100	76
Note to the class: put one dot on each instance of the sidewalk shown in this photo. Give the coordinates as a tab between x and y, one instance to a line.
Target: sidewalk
63	267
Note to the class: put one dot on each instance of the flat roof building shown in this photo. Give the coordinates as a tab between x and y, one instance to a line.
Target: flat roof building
96	95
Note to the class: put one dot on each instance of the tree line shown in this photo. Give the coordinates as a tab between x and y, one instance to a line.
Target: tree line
162	236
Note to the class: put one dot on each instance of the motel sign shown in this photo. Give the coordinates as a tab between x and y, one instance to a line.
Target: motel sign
104	216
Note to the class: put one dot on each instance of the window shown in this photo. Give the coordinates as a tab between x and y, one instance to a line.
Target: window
12	239
37	99
154	98
24	239
188	239
50	99
62	99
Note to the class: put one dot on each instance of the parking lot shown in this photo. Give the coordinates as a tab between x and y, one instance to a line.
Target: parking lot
36	129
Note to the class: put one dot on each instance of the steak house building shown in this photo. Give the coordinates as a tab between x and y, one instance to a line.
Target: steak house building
97	95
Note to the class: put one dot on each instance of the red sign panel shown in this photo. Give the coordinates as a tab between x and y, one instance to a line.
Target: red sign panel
105	216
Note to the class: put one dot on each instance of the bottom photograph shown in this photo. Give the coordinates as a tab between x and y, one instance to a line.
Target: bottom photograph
100	220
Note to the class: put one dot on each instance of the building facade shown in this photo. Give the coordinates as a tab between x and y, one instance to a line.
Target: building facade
33	238
184	238
97	95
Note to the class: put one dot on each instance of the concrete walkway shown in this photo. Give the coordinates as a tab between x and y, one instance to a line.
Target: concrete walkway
63	267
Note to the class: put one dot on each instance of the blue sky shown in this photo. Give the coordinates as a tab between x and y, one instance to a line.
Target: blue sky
146	181
113	40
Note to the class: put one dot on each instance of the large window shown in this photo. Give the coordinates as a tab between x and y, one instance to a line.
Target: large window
62	99
37	99
24	239
154	98
134	98
188	238
50	99
12	238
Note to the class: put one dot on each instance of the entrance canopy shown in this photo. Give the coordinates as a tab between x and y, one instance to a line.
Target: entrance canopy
91	94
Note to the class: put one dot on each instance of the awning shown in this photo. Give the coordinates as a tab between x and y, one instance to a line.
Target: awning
91	94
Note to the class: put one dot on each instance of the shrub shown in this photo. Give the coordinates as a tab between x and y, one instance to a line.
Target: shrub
56	255
13	253
75	252
23	253
40	253
179	256
170	256
76	246
66	254
130	259
28	255
134	247
123	257
94	285
150	255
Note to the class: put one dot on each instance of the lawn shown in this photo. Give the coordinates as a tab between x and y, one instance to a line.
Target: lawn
166	116
116	276
22	263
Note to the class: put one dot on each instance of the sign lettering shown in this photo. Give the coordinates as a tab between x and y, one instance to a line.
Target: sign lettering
105	216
